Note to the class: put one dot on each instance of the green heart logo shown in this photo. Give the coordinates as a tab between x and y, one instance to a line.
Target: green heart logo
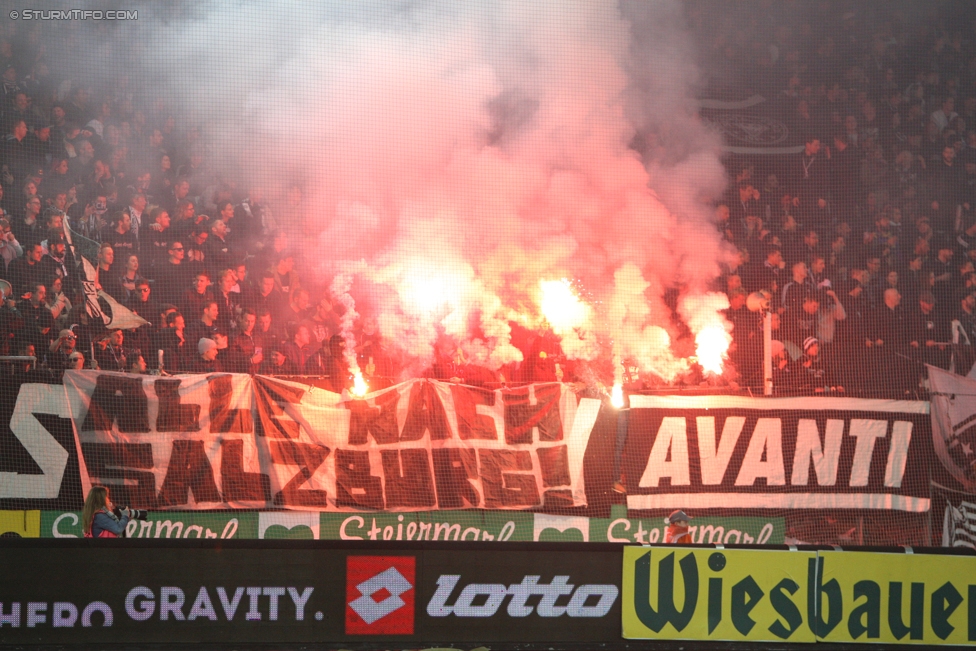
555	535
298	532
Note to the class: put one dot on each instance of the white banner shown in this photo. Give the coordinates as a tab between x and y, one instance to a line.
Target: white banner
953	401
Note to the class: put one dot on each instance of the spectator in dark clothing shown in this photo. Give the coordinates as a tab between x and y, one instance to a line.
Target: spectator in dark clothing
198	296
171	277
245	355
266	335
945	182
137	217
228	301
120	237
154	237
801	322
266	295
128	281
58	263
275	363
16	154
28	228
745	204
298	309
786	379
38	326
888	344
796	289
940	267
813	370
27	271
298	349
818	275
110	353
173	342
325	320
60	351
888	329
336	367
181	188
928	332
811	174
206	326
769	276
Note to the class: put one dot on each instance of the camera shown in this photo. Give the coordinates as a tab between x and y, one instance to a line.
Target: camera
134	514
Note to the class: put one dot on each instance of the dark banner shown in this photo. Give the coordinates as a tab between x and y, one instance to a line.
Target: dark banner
699	452
39	454
230	441
713	452
128	592
753	125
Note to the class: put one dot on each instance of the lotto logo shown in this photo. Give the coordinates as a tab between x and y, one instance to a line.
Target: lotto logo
380	595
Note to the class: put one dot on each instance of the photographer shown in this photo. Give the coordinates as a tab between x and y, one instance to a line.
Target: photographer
99	518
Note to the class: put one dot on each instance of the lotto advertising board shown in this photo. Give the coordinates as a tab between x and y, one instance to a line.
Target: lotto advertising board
233	592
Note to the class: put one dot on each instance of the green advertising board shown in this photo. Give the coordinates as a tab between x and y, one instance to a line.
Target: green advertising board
482	526
163	524
429	525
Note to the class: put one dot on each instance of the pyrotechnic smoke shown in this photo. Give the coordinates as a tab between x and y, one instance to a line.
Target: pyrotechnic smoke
455	155
341	285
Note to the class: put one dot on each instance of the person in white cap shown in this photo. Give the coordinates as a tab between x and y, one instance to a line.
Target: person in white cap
677	532
206	361
61	350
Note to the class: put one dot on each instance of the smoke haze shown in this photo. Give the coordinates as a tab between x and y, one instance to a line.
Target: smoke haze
453	155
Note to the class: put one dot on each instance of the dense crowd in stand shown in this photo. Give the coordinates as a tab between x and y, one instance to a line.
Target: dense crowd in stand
864	242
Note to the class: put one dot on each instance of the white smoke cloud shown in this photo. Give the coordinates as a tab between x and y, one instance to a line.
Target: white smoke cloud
455	154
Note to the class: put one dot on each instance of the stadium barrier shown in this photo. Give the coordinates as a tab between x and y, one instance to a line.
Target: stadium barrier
226	593
454	526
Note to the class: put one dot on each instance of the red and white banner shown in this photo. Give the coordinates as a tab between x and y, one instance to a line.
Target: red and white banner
233	441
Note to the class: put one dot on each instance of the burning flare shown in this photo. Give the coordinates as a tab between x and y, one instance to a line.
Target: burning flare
617	395
561	306
703	314
712	343
359	386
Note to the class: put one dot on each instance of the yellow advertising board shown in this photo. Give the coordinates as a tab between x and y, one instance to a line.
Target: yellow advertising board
20	524
896	598
678	593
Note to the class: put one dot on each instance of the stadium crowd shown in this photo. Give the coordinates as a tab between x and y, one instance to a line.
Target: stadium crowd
865	242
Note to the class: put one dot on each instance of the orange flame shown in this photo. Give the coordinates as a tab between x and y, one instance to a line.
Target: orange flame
359	386
712	344
617	395
561	306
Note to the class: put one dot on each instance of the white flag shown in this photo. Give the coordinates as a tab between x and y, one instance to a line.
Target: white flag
92	307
